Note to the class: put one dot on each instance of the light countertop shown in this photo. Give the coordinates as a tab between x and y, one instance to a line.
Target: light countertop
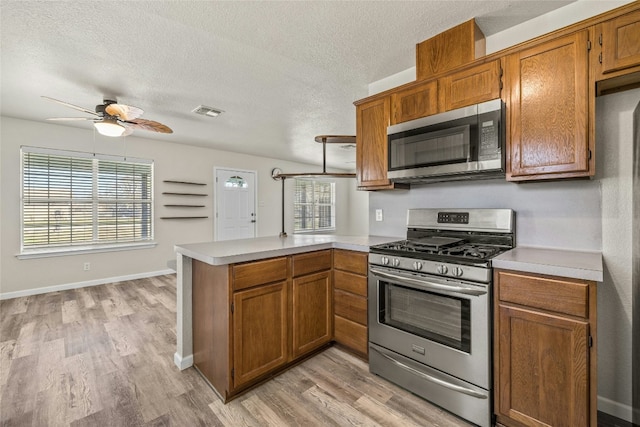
555	262
234	251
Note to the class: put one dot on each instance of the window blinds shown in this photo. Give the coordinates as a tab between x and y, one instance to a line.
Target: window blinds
71	199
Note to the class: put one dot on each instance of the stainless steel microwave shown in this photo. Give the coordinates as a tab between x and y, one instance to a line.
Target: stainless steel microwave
467	143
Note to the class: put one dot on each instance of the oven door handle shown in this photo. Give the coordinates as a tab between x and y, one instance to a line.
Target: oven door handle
430	378
427	285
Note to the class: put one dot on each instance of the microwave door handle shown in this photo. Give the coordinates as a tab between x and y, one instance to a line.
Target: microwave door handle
431	378
427	285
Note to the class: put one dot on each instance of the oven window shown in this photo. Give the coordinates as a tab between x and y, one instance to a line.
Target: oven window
438	317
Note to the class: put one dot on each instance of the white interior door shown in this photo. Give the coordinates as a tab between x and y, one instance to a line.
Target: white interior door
235	213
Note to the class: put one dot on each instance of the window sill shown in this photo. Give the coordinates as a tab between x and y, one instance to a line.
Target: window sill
53	252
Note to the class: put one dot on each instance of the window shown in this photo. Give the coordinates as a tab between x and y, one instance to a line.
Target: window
72	200
314	206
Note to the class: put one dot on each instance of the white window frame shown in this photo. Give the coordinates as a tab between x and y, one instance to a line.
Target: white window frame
313	204
85	247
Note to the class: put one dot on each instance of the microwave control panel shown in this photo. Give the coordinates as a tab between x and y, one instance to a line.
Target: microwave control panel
489	140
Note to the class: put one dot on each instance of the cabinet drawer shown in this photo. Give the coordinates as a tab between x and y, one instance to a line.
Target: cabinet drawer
350	306
350	282
351	335
354	262
311	262
560	295
259	273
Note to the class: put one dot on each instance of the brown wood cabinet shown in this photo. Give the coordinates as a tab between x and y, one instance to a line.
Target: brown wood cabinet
548	111
350	301
620	41
472	86
414	103
312	319
544	350
372	120
254	319
449	50
260	332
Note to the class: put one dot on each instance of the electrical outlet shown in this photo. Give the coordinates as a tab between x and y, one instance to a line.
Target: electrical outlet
87	266
378	214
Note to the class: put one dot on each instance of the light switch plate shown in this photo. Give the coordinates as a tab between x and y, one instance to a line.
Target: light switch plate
378	214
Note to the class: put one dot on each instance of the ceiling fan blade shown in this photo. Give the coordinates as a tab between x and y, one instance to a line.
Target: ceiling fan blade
123	112
70	118
75	107
149	125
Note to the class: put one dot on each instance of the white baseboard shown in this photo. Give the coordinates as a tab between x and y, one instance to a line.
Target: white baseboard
77	285
617	409
183	362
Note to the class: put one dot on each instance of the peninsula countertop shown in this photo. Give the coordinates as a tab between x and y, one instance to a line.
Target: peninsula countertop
555	262
234	251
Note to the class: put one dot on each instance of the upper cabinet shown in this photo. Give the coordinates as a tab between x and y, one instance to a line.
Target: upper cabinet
413	103
472	86
615	53
449	50
620	41
372	120
548	111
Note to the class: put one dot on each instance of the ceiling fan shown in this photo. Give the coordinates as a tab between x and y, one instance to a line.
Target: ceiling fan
113	119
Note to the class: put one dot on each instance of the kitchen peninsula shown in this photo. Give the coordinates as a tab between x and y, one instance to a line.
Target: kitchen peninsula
281	284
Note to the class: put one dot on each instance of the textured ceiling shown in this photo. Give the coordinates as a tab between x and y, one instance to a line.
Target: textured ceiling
283	72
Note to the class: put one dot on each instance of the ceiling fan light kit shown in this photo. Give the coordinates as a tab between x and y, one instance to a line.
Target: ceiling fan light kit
109	126
113	119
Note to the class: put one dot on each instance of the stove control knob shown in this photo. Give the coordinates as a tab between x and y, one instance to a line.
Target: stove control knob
442	269
396	262
456	271
417	265
384	260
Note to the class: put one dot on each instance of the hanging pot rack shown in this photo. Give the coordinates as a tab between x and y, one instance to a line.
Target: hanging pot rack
277	174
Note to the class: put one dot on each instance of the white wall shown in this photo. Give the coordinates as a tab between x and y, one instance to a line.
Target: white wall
172	161
614	159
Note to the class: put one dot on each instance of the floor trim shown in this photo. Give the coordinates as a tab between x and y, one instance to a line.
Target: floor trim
77	285
616	409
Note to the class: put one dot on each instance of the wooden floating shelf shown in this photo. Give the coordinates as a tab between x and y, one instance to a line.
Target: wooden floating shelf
183	182
184	217
183	194
184	206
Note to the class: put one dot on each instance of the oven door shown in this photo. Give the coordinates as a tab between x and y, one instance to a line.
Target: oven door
442	323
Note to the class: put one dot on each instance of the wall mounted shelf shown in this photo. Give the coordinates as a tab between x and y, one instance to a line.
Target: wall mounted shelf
184	217
182	194
171	181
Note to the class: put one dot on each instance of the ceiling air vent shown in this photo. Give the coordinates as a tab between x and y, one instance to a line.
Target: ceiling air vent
207	111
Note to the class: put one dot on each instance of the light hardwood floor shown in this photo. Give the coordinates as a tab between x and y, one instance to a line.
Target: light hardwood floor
103	356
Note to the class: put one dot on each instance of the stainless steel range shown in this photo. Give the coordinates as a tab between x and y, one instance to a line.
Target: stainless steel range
430	306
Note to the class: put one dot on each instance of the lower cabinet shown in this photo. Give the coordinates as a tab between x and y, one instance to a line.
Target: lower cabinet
254	319
544	350
350	301
260	331
312	321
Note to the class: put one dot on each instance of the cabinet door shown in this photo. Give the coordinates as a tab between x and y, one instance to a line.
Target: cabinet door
549	111
260	317
542	377
621	42
372	120
311	322
473	86
414	103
